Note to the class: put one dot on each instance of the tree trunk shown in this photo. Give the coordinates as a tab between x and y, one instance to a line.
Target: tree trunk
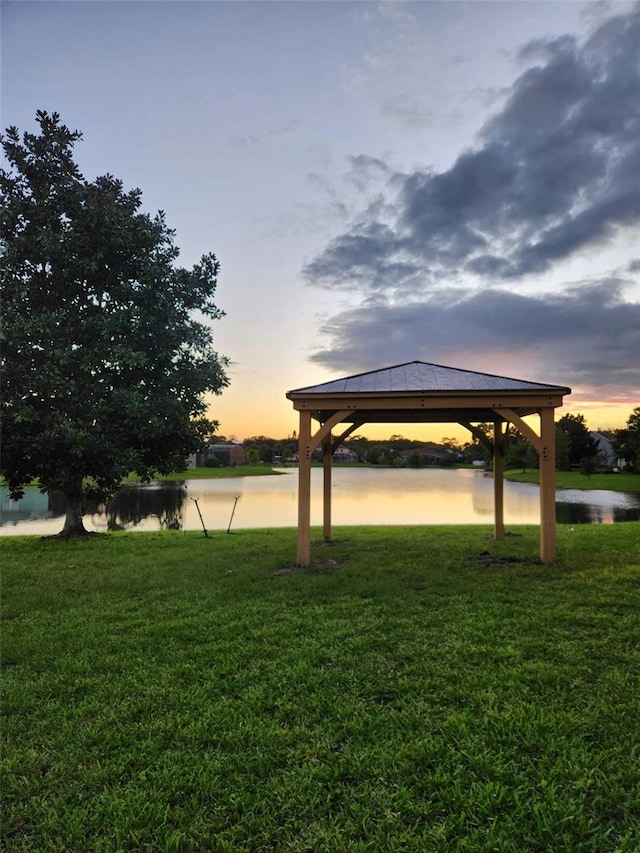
73	524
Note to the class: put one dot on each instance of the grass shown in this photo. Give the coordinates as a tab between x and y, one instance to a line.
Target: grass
575	480
200	474
409	692
222	472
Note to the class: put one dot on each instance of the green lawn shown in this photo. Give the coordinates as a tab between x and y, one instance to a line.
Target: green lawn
222	472
576	480
409	692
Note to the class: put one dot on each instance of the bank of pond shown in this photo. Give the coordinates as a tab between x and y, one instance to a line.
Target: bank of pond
360	496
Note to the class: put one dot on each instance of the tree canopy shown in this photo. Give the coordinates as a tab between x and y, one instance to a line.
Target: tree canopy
627	441
107	347
581	444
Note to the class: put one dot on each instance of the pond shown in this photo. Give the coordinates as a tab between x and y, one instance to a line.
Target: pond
361	496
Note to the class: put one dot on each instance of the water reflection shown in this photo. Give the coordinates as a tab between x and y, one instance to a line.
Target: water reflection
601	507
361	496
161	503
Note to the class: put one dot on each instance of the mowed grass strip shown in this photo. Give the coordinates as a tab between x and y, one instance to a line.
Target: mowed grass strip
224	472
408	692
621	482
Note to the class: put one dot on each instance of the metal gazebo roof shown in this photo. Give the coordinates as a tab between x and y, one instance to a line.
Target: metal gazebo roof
419	392
424	378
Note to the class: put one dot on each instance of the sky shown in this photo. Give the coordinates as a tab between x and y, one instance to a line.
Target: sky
382	182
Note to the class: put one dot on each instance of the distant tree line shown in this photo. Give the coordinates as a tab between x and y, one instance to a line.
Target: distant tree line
576	448
392	451
626	442
397	450
263	448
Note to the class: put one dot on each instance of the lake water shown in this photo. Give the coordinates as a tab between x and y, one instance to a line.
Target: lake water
361	496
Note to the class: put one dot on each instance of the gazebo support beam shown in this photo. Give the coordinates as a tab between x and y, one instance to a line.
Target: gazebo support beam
545	444
327	454
547	486
522	426
477	433
329	447
337	441
307	443
325	429
304	490
498	480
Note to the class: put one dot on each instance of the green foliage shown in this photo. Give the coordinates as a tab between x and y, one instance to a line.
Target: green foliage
626	441
581	444
451	444
167	692
263	446
104	366
476	449
253	455
562	449
448	461
416	460
588	466
394	450
520	453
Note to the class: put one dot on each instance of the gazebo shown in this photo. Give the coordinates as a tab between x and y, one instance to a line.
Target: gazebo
418	392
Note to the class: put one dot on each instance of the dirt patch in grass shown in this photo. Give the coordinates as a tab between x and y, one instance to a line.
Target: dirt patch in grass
487	559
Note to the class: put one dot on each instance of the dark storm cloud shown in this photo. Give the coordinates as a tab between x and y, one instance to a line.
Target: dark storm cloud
555	172
366	252
588	336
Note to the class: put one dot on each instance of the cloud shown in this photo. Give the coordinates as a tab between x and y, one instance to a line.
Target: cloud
367	170
553	174
586	337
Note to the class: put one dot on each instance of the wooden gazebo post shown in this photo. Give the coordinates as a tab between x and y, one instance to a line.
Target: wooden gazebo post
327	448
304	489
307	443
547	456
498	480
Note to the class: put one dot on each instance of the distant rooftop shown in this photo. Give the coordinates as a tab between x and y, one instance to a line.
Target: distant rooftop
420	376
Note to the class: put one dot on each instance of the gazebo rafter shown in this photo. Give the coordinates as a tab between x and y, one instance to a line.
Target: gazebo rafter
419	392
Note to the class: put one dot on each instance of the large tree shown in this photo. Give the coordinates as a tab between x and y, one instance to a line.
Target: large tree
107	349
582	446
626	441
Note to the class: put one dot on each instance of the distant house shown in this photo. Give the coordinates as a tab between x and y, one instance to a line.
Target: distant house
227	454
344	454
431	454
606	455
224	454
